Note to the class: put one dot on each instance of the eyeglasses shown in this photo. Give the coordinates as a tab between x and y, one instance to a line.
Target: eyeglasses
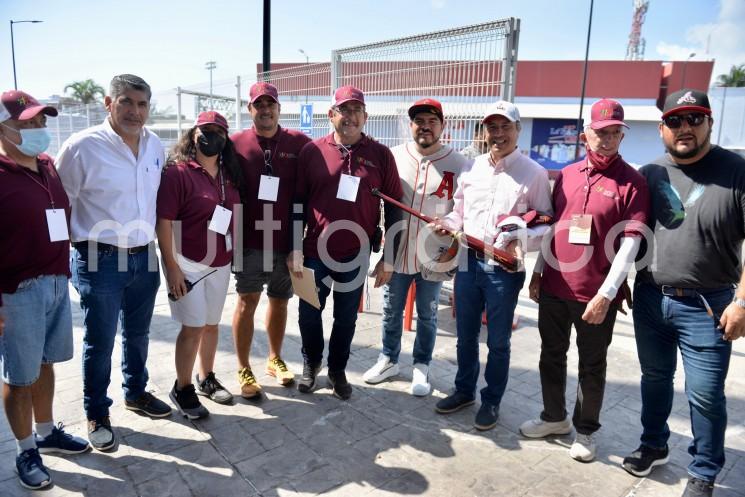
348	111
693	120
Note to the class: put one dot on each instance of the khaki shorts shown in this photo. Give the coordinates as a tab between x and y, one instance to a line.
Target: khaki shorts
258	272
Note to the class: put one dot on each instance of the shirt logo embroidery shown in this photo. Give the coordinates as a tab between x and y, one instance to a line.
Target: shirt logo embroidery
687	99
447	184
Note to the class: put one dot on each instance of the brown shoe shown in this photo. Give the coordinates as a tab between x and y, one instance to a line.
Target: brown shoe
249	386
276	367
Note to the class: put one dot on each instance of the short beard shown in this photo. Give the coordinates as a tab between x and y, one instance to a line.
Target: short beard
691	153
427	145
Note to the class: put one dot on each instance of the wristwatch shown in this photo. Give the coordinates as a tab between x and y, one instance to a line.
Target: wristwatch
739	302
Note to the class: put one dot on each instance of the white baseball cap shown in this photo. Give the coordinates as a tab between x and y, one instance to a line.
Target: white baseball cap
502	108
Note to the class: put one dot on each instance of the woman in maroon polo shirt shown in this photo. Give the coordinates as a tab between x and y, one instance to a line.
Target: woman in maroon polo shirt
200	187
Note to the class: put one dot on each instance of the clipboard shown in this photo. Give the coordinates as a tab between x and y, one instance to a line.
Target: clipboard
305	287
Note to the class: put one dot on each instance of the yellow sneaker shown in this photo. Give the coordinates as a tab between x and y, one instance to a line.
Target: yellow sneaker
249	386
276	367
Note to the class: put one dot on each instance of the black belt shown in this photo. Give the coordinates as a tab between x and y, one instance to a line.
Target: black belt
478	255
103	247
671	291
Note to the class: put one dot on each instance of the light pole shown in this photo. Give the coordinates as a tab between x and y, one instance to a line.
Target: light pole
306	73
685	65
210	66
13	49
584	81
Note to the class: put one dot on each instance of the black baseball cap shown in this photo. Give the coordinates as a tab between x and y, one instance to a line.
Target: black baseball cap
686	99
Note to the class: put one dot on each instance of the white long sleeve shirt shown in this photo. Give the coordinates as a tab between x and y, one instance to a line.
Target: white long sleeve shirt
112	192
486	192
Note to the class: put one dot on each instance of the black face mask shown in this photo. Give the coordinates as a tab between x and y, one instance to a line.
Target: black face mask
211	143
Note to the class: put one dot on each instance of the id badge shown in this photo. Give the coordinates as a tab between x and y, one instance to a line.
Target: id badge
228	242
580	230
268	188
57	224
220	220
348	186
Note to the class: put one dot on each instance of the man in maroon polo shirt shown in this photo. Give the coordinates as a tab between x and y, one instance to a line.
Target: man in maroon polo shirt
334	185
34	300
268	155
600	202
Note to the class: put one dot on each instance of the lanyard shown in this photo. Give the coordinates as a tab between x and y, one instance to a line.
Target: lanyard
44	185
346	156
221	193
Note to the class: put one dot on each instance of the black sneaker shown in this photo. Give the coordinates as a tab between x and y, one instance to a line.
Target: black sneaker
211	388
339	384
308	382
454	402
148	404
642	460
697	487
31	471
486	418
100	434
187	402
61	442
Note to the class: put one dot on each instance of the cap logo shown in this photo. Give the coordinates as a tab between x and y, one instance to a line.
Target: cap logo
22	101
605	113
686	99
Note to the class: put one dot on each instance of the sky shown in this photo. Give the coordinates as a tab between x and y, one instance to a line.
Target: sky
168	42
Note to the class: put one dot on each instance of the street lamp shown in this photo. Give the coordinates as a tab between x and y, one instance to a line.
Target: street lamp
13	49
306	73
584	81
685	64
210	66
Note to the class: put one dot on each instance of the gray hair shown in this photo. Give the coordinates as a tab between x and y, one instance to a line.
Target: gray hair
123	82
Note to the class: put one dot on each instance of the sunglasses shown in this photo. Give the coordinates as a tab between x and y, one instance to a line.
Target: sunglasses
693	120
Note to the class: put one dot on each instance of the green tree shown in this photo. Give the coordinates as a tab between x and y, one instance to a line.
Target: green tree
86	91
736	77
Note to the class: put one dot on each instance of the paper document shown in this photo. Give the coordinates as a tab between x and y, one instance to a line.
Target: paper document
305	287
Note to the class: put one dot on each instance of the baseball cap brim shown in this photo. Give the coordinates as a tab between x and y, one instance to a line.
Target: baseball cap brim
31	112
416	109
610	122
263	95
345	100
494	114
695	108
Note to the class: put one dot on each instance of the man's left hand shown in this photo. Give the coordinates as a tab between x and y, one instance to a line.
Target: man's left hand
596	310
733	322
382	272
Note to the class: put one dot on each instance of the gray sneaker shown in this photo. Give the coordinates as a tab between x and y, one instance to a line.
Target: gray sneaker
211	388
187	402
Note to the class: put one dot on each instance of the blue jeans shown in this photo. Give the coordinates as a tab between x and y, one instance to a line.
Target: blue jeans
484	285
108	295
346	303
662	325
394	300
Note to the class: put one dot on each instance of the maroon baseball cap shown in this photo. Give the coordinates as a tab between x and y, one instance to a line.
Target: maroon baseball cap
211	117
426	105
20	106
261	89
606	112
348	93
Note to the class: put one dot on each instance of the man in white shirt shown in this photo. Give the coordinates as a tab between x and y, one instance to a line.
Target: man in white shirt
111	173
428	170
500	183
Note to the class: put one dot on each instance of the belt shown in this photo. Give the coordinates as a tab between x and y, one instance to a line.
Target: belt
477	255
671	291
102	247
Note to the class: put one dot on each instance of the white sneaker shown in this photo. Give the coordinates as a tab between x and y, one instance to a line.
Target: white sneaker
537	428
382	370
419	380
584	447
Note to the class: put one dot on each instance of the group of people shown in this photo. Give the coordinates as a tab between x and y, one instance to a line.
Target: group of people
271	205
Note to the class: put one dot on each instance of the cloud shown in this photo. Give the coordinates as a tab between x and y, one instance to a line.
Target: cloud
723	40
438	4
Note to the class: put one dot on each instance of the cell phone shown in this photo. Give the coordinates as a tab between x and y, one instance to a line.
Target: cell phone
189	286
377	239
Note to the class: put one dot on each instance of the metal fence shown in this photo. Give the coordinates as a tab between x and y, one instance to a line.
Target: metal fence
465	68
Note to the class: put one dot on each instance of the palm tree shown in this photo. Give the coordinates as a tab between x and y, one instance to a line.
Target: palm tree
86	91
735	78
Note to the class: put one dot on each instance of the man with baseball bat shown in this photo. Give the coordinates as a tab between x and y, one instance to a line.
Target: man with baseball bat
503	199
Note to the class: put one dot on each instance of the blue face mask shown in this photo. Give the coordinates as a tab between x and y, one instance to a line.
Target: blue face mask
33	141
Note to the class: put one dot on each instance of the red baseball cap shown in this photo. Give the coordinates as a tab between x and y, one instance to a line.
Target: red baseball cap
606	112
426	105
348	93
211	117
261	89
20	106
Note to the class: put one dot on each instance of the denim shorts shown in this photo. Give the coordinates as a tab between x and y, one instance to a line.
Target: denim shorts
38	328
